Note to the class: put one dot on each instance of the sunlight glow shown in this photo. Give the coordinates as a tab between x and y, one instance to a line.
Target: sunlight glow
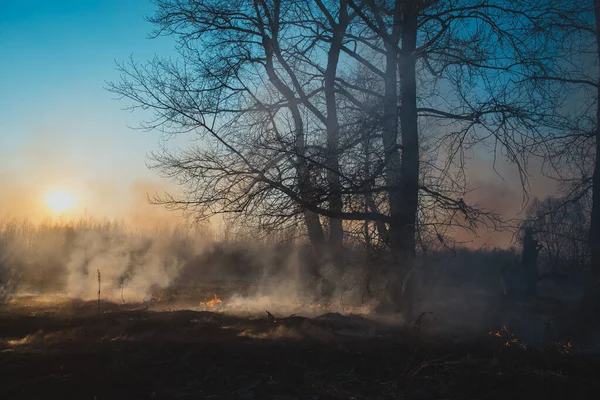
59	201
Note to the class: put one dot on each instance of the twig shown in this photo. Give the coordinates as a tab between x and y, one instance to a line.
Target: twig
419	320
271	317
99	281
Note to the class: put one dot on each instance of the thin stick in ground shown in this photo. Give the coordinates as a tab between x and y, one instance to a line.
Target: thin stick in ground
99	281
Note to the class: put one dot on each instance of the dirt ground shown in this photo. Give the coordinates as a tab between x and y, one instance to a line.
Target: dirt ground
65	349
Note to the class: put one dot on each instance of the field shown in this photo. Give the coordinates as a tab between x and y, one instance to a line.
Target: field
181	318
55	347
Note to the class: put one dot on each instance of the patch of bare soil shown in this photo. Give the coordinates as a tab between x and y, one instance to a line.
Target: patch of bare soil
64	349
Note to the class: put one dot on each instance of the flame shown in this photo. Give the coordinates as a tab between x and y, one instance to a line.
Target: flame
512	340
502	332
211	303
562	348
566	349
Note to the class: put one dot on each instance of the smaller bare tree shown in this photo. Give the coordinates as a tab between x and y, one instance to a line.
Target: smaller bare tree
562	228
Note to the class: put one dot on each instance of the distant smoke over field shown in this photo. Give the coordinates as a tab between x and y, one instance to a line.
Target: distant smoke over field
129	266
142	265
182	268
65	257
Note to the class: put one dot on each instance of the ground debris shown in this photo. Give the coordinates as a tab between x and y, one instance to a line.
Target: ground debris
203	354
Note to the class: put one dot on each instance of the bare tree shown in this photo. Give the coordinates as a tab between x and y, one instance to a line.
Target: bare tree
461	68
562	229
352	112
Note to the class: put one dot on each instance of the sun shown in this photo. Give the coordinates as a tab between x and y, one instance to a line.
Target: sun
59	201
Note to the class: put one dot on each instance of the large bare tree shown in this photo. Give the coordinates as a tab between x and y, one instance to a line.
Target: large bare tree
340	113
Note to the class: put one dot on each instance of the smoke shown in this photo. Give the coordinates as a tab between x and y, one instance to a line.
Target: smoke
181	264
129	266
65	258
184	268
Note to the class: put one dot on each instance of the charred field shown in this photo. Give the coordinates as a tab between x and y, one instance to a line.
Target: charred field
55	347
98	313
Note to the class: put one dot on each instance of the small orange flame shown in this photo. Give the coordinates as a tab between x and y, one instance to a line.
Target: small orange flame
566	349
512	340
211	303
562	348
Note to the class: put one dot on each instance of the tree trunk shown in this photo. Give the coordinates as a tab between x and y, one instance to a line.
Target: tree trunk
594	238
592	295
336	233
409	187
402	173
390	141
311	219
409	184
529	263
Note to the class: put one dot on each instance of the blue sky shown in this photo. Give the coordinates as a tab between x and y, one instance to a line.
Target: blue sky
58	125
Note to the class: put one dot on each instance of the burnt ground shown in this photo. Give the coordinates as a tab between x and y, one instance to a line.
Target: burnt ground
65	350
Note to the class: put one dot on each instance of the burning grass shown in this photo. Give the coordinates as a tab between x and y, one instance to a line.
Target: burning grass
210	304
511	340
